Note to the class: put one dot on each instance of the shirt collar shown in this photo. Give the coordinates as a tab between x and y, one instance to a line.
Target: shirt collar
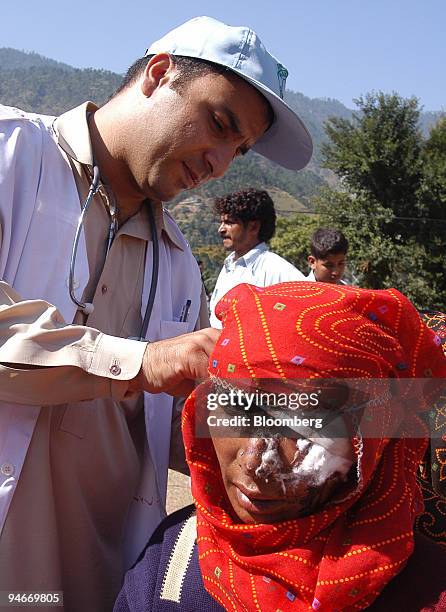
245	260
72	133
73	136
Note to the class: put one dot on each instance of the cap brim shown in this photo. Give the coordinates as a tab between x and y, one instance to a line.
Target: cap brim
287	142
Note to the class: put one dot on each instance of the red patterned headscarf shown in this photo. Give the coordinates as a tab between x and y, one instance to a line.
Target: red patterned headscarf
341	557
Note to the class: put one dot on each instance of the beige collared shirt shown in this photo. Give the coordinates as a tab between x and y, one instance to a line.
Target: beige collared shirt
64	527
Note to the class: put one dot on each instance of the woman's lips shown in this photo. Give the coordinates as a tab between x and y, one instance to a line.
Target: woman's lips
255	504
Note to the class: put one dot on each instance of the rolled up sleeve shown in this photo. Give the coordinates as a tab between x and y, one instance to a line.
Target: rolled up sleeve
45	361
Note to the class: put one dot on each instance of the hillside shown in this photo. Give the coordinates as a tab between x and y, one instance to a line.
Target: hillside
13	59
41	85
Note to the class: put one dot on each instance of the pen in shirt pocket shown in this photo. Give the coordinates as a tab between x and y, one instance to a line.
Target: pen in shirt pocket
185	311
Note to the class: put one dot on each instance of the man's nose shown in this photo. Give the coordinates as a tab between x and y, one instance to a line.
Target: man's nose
221	228
219	159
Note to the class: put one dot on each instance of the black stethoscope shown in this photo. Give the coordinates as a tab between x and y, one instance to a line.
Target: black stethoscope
87	307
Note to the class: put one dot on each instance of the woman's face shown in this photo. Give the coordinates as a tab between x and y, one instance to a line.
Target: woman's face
276	479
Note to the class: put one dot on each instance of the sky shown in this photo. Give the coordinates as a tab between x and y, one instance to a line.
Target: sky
332	48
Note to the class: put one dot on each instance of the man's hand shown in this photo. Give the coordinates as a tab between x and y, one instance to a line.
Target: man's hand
172	366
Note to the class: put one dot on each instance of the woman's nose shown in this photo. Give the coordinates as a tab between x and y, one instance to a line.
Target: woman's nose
262	458
251	455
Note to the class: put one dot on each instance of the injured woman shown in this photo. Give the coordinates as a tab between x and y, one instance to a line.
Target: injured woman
295	517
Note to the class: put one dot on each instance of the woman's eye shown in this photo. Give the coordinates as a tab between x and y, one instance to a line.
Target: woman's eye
240	407
243	404
231	410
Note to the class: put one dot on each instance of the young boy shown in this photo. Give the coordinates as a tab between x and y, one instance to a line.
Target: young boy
328	256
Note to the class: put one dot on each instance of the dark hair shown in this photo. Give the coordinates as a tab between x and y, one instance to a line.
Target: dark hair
250	205
188	68
326	241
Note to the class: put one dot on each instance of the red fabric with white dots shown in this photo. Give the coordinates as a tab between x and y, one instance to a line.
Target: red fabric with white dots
341	557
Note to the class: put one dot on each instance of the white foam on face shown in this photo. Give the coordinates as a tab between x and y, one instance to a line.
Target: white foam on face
271	461
272	465
315	469
319	465
302	444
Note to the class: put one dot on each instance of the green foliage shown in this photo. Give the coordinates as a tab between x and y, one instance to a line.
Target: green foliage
392	205
212	257
433	183
314	112
378	152
372	255
52	90
197	221
292	239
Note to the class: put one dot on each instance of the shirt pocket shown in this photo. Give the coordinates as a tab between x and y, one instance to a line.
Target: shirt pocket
75	418
171	329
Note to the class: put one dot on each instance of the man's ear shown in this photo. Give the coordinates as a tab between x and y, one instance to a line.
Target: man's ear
311	261
159	71
254	227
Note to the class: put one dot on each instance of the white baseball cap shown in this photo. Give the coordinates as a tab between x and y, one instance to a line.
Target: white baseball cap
287	142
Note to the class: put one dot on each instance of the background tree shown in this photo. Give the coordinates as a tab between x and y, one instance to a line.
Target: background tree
392	202
377	152
432	197
433	187
292	239
212	257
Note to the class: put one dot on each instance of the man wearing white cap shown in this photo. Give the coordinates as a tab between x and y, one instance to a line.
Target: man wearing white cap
92	313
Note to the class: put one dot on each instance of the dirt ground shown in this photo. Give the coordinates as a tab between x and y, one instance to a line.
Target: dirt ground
178	491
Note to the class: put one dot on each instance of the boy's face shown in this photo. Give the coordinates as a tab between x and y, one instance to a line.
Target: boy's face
328	270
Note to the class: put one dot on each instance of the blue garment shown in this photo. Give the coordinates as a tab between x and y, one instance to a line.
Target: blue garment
143	584
421	585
